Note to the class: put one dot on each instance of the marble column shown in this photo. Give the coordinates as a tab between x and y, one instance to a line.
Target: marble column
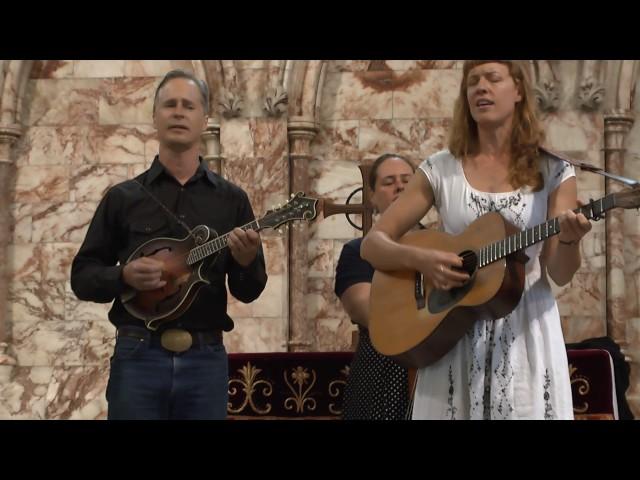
301	132
617	124
8	135
211	138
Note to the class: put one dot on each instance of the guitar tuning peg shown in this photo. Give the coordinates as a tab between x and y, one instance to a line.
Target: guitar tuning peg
280	231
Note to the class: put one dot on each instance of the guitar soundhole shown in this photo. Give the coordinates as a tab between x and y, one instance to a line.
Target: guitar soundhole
469	262
440	300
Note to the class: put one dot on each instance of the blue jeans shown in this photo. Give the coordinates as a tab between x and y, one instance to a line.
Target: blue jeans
147	382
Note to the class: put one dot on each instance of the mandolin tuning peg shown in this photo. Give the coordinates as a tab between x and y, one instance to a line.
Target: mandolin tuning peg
280	231
292	195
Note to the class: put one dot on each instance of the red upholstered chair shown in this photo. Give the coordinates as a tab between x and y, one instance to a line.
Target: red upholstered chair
592	384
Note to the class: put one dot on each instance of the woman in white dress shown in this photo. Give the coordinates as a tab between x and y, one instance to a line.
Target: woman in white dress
516	366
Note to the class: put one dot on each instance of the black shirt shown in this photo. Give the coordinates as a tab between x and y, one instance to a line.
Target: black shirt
127	217
351	267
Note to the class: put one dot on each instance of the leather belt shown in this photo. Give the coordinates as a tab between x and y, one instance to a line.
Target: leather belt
173	339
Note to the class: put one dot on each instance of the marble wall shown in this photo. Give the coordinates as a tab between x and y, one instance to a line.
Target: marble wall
87	125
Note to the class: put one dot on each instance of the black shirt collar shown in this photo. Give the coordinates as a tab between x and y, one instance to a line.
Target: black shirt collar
157	169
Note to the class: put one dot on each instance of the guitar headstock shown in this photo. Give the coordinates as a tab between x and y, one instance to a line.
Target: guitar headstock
627	198
298	207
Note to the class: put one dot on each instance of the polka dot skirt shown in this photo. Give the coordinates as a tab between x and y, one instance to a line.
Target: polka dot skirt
377	386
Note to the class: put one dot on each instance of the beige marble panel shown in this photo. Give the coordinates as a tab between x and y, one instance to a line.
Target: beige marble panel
57	102
350	96
154	68
268	304
51	69
35	302
54	342
427	94
98	68
25	396
257	334
61	222
347	65
321	258
48	183
61	145
126	100
573	130
401	65
337	140
77	393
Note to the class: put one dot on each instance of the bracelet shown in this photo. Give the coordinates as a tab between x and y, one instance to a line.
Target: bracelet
574	242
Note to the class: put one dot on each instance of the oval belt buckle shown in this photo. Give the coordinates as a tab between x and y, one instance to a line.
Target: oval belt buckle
176	340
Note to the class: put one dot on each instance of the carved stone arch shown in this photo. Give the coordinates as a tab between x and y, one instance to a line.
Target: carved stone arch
303	87
14	75
4	67
210	72
546	86
276	96
294	82
13	85
618	120
230	99
590	90
627	72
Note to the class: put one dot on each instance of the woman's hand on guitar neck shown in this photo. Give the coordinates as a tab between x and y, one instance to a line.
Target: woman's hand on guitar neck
143	274
573	226
441	268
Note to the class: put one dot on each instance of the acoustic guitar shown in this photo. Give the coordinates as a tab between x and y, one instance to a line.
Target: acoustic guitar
183	259
416	324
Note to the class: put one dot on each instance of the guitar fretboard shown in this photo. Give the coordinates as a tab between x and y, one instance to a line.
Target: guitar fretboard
217	244
518	241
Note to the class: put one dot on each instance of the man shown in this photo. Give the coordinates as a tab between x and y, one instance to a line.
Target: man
152	376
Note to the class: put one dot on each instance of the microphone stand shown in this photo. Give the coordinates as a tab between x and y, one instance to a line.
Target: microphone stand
592	168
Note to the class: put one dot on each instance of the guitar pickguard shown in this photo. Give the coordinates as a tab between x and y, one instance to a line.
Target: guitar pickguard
441	300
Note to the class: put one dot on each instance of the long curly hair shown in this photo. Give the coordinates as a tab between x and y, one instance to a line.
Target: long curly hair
527	134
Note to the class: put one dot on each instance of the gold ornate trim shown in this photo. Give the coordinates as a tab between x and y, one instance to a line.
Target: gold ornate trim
583	388
334	390
300	377
248	383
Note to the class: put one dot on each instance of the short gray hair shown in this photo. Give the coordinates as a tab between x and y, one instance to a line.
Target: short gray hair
202	86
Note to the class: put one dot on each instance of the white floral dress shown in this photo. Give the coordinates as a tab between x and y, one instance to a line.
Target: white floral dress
513	367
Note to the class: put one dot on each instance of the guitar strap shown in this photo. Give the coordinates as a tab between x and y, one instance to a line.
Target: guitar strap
184	225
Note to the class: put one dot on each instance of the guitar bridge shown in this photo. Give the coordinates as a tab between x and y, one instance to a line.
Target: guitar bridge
419	291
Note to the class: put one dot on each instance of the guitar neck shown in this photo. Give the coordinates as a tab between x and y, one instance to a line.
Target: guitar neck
214	246
521	240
